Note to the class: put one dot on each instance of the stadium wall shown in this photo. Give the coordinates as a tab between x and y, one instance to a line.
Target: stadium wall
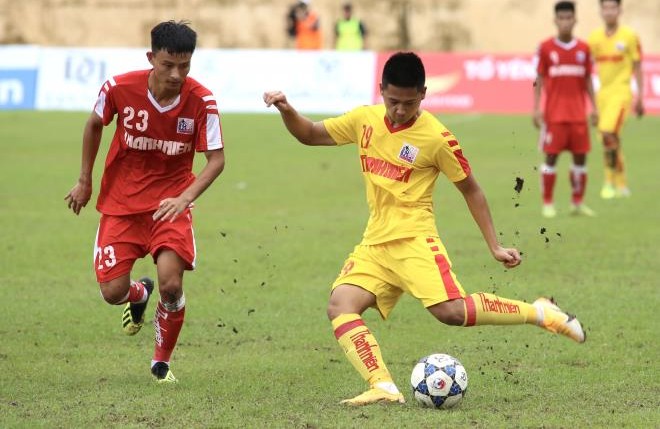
495	26
59	78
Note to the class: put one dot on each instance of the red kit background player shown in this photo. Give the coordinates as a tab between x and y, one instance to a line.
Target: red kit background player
564	75
148	187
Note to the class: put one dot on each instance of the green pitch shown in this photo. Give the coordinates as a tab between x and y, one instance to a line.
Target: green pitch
272	232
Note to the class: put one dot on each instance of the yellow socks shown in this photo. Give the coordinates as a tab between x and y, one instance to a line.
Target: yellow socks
488	309
361	348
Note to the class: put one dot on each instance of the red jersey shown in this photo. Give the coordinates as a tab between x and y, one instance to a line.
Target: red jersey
564	68
151	154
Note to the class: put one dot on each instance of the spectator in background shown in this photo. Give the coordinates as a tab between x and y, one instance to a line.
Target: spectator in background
350	32
308	28
291	23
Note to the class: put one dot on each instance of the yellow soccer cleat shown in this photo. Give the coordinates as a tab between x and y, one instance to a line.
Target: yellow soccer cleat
161	371
373	396
132	318
582	210
607	192
549	211
557	321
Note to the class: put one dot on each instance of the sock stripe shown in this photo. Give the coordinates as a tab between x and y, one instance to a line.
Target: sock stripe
470	311
345	327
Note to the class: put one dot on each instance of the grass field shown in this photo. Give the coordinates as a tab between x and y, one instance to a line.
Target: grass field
257	351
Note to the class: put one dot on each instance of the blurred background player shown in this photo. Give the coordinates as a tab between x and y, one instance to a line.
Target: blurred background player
564	74
308	28
618	55
148	187
402	151
350	32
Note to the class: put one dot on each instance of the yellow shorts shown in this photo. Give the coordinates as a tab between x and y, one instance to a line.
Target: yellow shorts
419	266
613	108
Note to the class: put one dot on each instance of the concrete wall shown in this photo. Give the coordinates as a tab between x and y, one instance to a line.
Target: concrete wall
435	25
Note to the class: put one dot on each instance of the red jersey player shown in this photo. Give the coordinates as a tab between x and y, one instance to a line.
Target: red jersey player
147	189
564	72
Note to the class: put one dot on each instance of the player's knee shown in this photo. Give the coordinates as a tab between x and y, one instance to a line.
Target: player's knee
449	312
170	290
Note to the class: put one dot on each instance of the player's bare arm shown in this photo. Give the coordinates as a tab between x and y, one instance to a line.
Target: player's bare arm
537	115
302	128
639	80
476	202
170	208
79	195
594	116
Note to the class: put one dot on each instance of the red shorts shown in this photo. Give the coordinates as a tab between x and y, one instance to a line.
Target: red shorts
121	240
570	136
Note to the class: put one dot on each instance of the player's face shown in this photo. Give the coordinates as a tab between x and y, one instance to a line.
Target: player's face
565	21
170	70
610	11
402	104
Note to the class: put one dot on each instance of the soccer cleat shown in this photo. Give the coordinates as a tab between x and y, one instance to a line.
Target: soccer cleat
132	318
607	192
581	209
623	192
549	211
557	321
373	396
161	371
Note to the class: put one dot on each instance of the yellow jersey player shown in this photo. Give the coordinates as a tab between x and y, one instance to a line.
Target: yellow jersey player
402	150
617	52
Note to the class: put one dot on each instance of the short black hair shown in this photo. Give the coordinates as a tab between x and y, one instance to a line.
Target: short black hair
173	37
617	1
405	70
565	6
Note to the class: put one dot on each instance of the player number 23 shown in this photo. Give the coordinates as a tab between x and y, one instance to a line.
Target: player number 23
107	257
141	122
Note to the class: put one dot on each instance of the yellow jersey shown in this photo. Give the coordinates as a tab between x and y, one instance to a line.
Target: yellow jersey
614	56
400	167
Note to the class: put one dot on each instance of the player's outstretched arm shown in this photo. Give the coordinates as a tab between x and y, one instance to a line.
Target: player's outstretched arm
170	208
476	202
639	80
304	129
79	195
537	114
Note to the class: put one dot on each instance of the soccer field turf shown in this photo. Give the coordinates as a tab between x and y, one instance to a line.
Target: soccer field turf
273	231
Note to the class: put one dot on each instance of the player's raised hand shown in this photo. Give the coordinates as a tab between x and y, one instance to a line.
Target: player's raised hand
277	99
79	196
509	257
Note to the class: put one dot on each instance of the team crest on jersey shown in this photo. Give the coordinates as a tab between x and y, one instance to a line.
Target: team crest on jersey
185	125
580	56
408	152
554	57
620	46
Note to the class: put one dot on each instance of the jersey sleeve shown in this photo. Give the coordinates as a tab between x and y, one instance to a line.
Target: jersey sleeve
209	136
635	47
541	62
105	104
449	158
342	128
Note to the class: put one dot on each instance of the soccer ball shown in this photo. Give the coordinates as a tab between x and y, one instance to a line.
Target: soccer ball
439	381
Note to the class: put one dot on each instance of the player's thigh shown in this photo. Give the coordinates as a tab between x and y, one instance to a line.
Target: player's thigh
364	268
120	240
613	111
177	236
425	270
555	139
579	140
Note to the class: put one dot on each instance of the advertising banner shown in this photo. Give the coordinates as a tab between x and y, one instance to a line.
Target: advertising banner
495	83
18	74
